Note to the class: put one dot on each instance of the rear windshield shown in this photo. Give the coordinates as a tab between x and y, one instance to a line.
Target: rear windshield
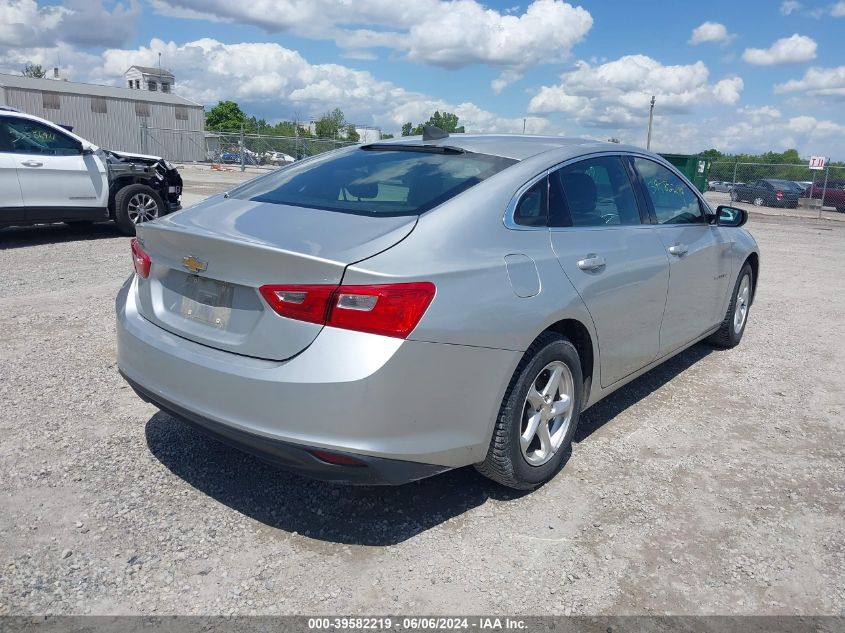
379	182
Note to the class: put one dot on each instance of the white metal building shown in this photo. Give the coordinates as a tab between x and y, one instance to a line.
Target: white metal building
111	117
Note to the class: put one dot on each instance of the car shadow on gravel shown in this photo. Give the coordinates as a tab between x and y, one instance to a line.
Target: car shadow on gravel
18	237
604	411
358	515
363	515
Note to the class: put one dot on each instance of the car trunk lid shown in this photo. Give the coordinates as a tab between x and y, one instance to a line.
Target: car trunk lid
209	261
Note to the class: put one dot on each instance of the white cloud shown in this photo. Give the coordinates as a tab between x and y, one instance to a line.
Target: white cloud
468	33
710	32
838	9
272	81
617	93
817	82
81	22
446	33
759	114
788	50
788	7
807	134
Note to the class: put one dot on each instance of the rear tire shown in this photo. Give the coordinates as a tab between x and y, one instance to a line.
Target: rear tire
734	196
135	204
736	318
545	391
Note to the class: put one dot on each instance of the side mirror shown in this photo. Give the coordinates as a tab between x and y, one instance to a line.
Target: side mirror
730	216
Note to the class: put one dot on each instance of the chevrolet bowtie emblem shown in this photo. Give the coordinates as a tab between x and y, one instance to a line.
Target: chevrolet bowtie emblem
193	264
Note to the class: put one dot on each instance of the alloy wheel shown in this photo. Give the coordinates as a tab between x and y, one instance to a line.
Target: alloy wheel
142	207
547	413
758	201
743	296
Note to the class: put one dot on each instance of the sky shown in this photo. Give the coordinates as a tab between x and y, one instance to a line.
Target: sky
740	76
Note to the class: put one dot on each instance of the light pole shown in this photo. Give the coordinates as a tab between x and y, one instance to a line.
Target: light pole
650	120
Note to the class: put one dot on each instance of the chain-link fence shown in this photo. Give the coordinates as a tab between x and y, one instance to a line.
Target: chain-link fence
771	184
231	148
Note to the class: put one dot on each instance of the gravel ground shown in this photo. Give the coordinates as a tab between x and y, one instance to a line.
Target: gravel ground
715	484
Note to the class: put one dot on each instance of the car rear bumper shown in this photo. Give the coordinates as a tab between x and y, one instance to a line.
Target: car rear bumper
429	404
372	471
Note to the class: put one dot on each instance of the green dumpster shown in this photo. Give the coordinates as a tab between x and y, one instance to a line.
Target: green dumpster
694	167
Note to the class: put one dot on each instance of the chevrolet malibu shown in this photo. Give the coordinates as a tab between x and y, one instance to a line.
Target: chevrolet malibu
386	312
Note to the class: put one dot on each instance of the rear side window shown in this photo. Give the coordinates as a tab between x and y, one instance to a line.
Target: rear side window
22	136
379	182
592	192
673	200
531	208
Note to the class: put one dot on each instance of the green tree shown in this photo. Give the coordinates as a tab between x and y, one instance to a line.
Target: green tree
330	124
712	153
352	134
226	115
446	121
34	70
386	136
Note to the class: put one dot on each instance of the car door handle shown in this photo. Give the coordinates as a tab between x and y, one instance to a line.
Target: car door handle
678	249
31	163
592	262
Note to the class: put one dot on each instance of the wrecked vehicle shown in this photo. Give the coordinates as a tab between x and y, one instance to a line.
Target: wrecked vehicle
48	174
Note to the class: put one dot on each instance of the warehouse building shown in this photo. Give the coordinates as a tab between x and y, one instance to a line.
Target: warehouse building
143	121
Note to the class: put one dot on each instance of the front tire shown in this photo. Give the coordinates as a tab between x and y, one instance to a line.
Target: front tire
733	326
136	204
538	416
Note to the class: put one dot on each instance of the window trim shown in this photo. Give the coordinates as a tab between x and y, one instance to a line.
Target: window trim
508	217
627	156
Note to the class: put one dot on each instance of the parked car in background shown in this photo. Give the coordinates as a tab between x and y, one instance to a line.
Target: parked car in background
722	186
233	156
834	194
278	158
48	174
397	309
767	192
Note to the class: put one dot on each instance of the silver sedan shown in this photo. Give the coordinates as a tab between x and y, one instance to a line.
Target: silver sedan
385	312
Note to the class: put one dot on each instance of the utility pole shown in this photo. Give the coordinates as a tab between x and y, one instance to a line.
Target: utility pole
650	120
523	125
243	150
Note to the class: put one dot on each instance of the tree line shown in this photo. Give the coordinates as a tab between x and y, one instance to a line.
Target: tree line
227	116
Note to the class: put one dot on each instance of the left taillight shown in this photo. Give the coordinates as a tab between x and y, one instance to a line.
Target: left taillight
140	259
386	309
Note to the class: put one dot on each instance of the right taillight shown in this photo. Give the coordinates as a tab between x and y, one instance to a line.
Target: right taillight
386	309
140	259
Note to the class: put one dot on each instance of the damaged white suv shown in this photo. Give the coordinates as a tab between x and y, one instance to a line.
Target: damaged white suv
48	174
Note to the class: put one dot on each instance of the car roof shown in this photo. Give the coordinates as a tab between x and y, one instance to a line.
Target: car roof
516	146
